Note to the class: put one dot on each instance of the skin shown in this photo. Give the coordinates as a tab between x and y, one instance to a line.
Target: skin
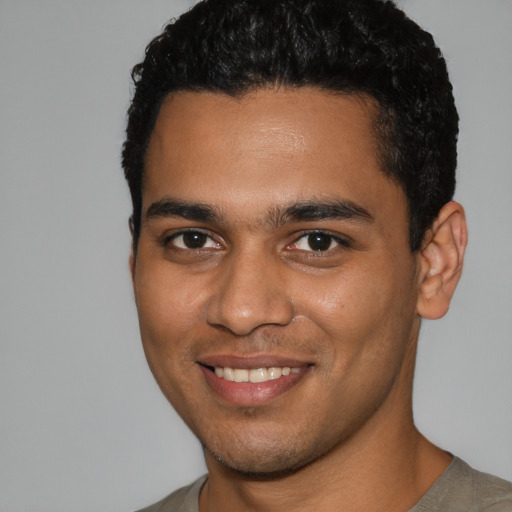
254	291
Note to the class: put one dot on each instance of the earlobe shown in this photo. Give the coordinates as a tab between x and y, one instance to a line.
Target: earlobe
442	256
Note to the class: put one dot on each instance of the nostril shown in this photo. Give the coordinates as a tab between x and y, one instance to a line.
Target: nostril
245	300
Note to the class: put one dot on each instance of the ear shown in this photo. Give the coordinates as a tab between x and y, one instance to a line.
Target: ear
442	256
131	261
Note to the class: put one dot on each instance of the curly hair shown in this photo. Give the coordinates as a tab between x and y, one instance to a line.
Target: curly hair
347	46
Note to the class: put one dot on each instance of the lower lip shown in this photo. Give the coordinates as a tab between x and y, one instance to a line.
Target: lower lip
250	394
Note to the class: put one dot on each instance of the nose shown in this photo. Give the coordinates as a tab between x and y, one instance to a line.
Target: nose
249	293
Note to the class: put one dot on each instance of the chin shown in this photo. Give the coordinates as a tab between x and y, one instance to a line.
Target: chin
265	462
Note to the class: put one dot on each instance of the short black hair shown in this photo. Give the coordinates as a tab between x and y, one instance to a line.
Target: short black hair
347	46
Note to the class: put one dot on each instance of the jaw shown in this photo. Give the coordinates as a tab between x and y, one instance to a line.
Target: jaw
257	443
257	431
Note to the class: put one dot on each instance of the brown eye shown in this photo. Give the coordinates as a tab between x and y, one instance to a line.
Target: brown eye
193	240
316	242
319	241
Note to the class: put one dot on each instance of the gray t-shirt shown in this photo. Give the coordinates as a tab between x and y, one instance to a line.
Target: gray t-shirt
459	489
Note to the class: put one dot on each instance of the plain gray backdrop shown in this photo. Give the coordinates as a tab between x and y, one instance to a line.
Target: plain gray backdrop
83	427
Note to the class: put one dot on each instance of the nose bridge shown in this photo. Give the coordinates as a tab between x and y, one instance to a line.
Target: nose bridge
250	292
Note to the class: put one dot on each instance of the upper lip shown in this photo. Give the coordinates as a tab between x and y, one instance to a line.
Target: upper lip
248	362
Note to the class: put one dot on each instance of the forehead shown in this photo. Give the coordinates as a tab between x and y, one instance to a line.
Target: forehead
267	119
263	148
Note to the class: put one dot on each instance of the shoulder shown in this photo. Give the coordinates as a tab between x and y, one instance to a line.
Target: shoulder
464	489
181	500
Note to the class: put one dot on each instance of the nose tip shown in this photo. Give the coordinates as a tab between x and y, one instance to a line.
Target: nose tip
246	299
243	319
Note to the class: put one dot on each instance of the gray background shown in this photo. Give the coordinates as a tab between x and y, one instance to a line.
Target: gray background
83	427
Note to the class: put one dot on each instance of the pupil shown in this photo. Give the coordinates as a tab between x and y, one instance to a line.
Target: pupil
194	240
319	241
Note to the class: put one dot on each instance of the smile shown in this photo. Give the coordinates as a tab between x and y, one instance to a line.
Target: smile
255	375
245	382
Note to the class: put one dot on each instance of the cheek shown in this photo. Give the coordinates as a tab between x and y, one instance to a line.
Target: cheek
360	305
169	305
168	308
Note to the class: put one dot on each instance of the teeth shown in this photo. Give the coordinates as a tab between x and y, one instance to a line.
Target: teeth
274	373
227	374
259	375
240	375
254	375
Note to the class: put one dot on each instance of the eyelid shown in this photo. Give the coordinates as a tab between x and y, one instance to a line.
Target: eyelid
343	241
168	239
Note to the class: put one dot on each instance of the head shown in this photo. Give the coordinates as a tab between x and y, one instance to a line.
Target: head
344	46
290	164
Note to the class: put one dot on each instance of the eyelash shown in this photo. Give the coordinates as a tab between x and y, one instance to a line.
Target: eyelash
169	241
343	242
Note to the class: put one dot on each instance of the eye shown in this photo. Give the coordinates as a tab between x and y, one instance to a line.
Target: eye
192	240
318	241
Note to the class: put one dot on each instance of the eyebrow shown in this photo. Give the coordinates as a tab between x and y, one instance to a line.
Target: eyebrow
168	207
301	211
322	210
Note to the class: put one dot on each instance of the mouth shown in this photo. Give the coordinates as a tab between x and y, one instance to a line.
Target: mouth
254	375
246	382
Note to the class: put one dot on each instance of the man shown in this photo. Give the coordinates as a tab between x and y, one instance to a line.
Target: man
291	165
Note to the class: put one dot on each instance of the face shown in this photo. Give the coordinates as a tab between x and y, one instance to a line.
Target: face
274	283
